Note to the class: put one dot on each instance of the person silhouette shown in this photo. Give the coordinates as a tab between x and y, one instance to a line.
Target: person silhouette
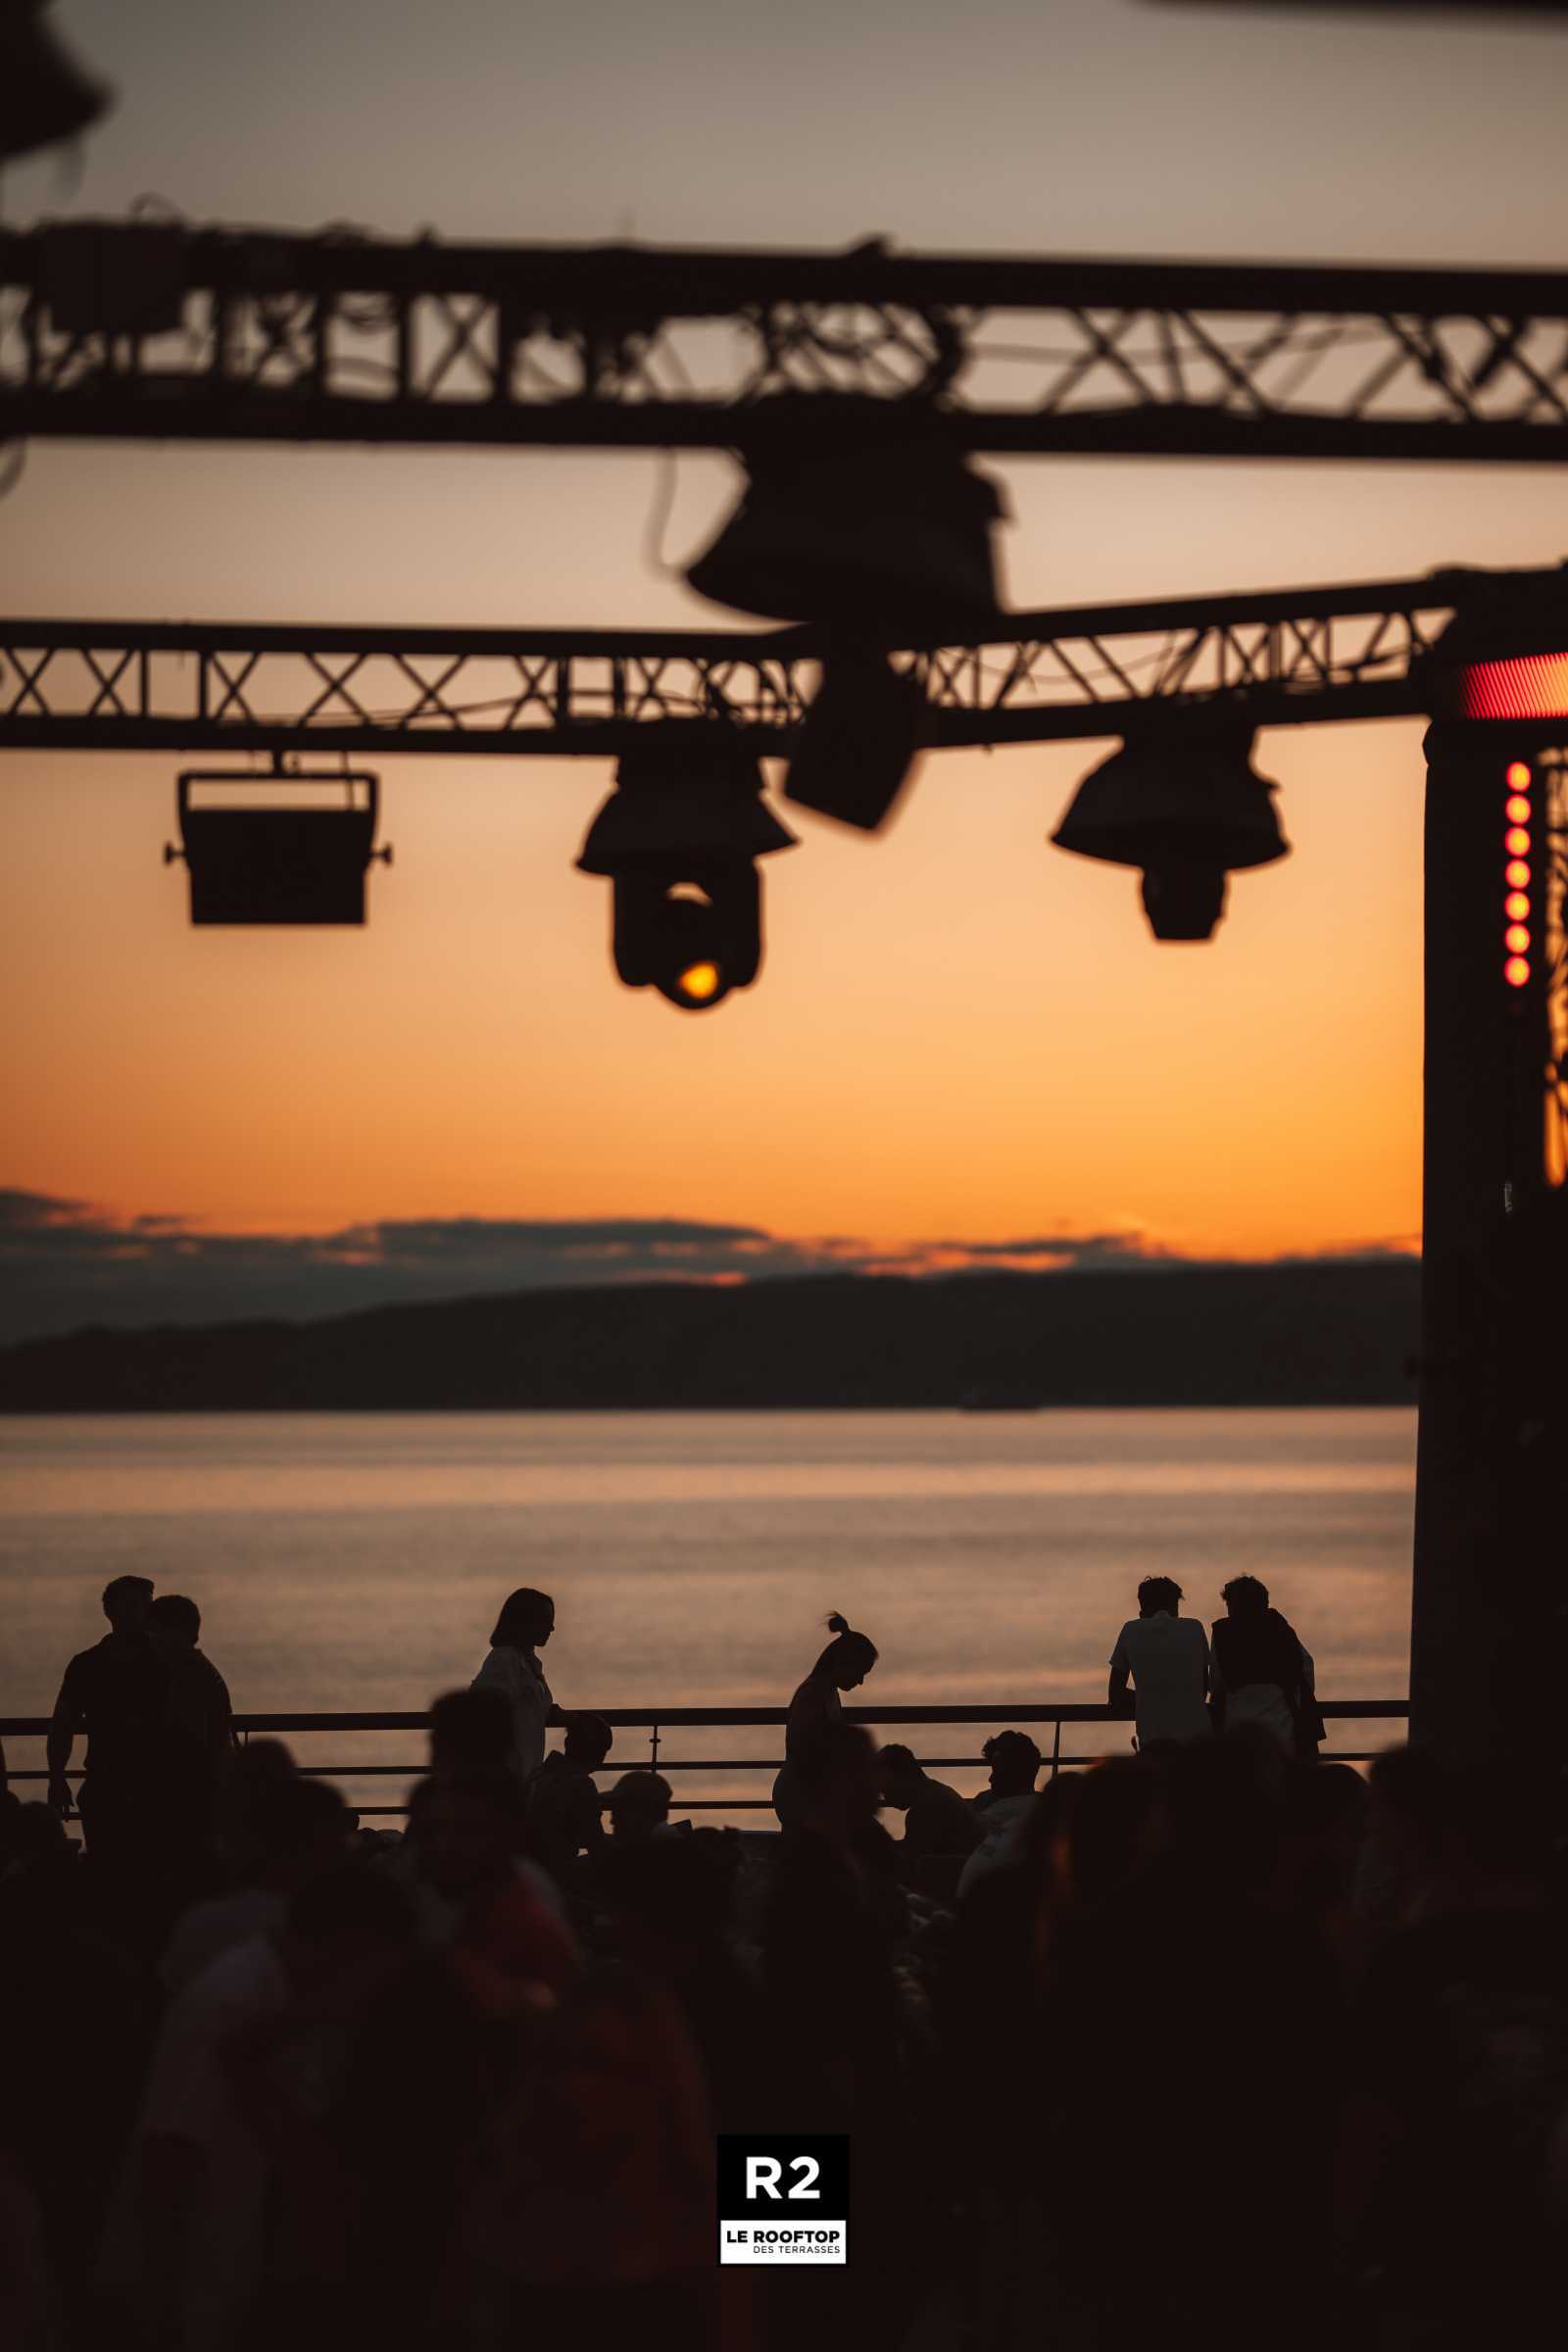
1262	1672
816	1703
937	1820
470	1731
1004	1809
564	1809
1015	1762
525	1624
115	1693
1166	1658
198	1736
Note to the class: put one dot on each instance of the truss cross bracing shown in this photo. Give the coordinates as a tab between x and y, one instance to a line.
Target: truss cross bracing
155	330
1286	659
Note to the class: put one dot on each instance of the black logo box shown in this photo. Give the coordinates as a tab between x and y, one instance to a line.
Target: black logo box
812	2180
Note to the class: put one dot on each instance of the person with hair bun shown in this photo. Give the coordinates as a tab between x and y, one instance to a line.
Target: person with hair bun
843	1666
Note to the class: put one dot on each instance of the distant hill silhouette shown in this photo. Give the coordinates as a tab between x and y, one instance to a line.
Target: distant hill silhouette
1320	1332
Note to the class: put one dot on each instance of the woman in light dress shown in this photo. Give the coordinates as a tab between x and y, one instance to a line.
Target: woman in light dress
525	1624
843	1666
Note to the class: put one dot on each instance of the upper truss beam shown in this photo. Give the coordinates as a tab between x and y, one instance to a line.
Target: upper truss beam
148	330
1287	658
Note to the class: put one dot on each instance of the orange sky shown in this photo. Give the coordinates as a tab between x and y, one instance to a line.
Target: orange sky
958	1031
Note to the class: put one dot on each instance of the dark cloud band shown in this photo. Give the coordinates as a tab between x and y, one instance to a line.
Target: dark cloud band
65	1264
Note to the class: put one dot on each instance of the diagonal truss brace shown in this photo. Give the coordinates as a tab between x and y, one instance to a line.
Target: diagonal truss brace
148	329
1285	657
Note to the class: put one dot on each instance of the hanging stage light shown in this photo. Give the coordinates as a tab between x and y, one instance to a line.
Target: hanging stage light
857	514
859	742
278	865
678	838
1188	808
45	94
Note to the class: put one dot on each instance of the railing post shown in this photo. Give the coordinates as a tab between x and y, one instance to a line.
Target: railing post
1055	1747
653	1764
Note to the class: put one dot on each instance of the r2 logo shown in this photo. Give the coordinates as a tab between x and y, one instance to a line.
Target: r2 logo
763	2174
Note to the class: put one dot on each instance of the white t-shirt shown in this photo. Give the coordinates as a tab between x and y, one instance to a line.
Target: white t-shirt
1006	1825
208	1929
188	2098
1167	1658
520	1679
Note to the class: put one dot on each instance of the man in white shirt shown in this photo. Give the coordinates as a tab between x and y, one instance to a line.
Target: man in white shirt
1165	1657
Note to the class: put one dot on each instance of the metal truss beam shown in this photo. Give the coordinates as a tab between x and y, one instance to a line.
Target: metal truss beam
1287	658
155	331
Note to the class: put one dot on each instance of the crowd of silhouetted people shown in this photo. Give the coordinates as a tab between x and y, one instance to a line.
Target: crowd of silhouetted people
1213	2044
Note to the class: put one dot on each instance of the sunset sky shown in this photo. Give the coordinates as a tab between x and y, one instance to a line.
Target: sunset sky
960	1038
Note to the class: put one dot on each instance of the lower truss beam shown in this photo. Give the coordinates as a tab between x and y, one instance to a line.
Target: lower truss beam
1285	657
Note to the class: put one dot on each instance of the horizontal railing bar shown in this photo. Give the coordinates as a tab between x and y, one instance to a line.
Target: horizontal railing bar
415	1772
24	1726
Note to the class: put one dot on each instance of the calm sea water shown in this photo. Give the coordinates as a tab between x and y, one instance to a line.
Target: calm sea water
356	1561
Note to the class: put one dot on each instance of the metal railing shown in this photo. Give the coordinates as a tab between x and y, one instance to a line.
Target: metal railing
657	1721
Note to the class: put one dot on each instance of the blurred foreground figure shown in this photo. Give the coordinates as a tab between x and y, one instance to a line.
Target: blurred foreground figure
279	1834
466	1834
834	1917
590	2224
1459	2063
45	95
77	2015
190	2254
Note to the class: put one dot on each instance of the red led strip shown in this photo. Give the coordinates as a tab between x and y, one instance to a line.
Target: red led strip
1518	808
1527	686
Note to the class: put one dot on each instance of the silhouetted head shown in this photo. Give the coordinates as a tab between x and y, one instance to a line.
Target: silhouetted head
174	1623
1325	1800
1014	1760
470	1731
344	1930
673	1894
1416	1794
1224	1798
527	1621
1244	1596
899	1776
1114	1826
1158	1593
465	1830
297	1830
1322	1834
848	1657
127	1599
1434	1825
251	1770
639	1803
588	1741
